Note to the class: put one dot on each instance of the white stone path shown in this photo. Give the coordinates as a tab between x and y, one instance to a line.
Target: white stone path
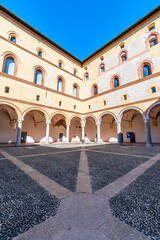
83	215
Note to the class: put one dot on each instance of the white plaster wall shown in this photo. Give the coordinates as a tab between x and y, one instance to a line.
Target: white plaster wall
137	127
155	131
38	132
7	132
75	130
107	132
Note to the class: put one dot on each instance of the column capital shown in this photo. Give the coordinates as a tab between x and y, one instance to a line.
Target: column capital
48	121
146	120
20	119
68	124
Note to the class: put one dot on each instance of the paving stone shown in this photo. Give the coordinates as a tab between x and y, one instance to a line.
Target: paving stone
81	234
84	211
117	230
51	229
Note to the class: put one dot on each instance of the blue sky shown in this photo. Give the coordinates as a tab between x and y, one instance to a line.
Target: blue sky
81	27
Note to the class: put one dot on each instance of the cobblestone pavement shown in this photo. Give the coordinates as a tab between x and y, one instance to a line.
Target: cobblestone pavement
99	192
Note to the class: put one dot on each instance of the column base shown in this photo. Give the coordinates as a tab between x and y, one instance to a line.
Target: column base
149	145
17	145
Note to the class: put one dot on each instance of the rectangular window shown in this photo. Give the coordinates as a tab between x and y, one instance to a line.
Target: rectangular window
153	89
38	98
125	97
104	103
6	90
60	103
89	106
74	107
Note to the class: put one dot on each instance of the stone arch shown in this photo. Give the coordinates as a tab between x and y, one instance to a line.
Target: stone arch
92	116
153	119
129	108
61	113
75	129
9	115
90	123
108	127
34	125
17	110
58	126
150	108
132	122
46	115
105	113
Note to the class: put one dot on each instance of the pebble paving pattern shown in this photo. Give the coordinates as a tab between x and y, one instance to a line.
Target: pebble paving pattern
31	150
23	203
130	150
61	168
106	168
139	203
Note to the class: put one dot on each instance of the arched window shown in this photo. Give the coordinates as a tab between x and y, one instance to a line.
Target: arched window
146	70
116	82
102	68
86	76
95	90
40	53
13	38
123	56
9	66
75	91
153	40
60	64
60	85
38	77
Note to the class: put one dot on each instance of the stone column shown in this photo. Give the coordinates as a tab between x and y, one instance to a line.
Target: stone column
119	134
67	135
98	133
83	134
18	140
148	133
47	130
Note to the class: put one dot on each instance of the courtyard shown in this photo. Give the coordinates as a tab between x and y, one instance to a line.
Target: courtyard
67	191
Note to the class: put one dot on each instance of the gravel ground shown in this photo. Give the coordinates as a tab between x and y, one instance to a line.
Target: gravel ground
31	150
106	168
62	168
1	156
23	203
139	204
131	150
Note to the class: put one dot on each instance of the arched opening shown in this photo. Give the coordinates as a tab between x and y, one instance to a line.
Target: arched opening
108	128
34	127
132	126
154	118
116	82
38	77
90	129
58	128
8	124
153	40
146	70
75	130
9	66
